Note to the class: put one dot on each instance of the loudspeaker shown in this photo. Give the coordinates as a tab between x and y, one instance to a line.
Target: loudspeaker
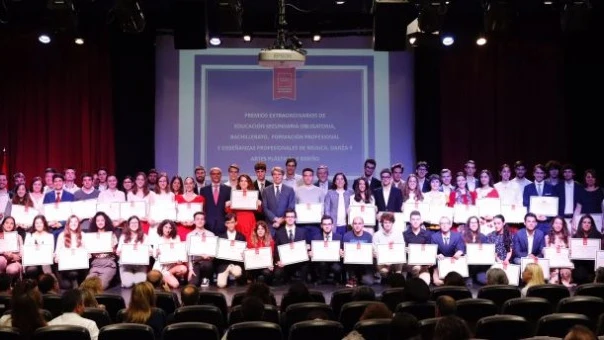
190	24
390	20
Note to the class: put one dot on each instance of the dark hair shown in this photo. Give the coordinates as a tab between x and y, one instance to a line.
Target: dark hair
182	185
25	315
580	332
108	223
46	282
370	161
290	210
252	309
326	217
189	295
308	169
403	326
291	159
396	280
58	175
140	235
260	166
333	181
377	310
363	293
507	236
230	216
44	221
416	290
445	305
71	299
357	192
454	279
451	328
552	233
162	224
259	290
530	214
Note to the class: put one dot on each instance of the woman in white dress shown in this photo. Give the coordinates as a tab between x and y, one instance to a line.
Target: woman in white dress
36	194
70	238
132	274
39	236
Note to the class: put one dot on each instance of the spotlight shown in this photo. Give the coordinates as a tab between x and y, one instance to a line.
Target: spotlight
340	2
247	38
448	40
79	41
44	38
215	41
316	38
412	40
481	41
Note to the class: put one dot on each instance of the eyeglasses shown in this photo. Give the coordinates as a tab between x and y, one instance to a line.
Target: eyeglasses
386	177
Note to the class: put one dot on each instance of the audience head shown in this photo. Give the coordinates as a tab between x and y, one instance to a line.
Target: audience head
5	283
89	299
259	290
533	275
396	280
377	310
416	290
48	283
189	295
93	284
403	326
363	293
155	277
599	275
252	309
299	292
496	276
141	302
25	315
72	302
445	306
29	287
580	332
454	279
451	328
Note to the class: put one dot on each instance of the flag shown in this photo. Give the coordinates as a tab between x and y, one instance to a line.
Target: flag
4	162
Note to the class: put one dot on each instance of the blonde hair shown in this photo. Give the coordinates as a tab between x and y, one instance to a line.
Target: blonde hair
536	275
142	300
93	284
89	299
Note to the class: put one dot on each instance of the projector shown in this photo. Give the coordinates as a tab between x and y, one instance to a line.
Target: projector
281	58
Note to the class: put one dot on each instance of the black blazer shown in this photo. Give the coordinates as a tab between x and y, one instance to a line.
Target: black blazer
395	200
281	237
257	187
215	212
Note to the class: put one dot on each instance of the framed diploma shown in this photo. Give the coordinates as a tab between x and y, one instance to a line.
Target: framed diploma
558	257
513	213
543	263
422	254
23	215
488	206
111	209
230	250
244	199
98	242
423	208
185	211
366	212
84	209
451	264
325	251
38	255
512	271
480	253
9	242
584	248
172	252
293	252
437	212
73	259
544	205
133	208
160	211
599	259
57	211
391	253
135	254
258	258
358	253
309	213
203	245
461	212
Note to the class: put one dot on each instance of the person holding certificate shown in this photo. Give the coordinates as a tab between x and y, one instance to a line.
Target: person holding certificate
417	235
388	197
584	269
528	242
10	259
558	238
502	238
539	188
200	267
132	274
276	199
307	196
357	272
246	219
56	196
86	193
171	272
472	235
226	268
21	198
103	265
140	192
260	238
435	199
290	233
188	196
338	199
322	269
450	244
70	238
387	236
39	236
163	197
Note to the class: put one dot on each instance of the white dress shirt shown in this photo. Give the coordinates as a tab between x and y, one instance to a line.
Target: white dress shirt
530	238
231	235
341	218
386	193
74	319
569	198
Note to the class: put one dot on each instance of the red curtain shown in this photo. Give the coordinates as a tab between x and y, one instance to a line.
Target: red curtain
55	105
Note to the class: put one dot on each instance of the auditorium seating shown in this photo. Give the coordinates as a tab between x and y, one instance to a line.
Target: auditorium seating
499	294
113	303
52	303
9	333
98	315
392	297
551	292
374	329
190	331
63	332
126	331
317	329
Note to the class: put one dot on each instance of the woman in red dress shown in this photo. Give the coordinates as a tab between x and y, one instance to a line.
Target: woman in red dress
189	196
246	219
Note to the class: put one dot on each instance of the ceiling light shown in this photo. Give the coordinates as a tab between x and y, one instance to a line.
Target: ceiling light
412	40
247	38
79	41
316	38
215	41
44	38
448	40
340	2
481	41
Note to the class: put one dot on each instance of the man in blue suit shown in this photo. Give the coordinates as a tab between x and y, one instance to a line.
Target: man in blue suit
289	234
276	199
450	244
538	188
529	241
322	269
57	195
215	195
571	195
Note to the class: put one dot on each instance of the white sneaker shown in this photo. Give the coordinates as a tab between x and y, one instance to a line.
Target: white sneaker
205	282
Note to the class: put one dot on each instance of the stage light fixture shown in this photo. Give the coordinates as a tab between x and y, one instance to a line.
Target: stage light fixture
78	41
44	38
448	40
316	38
340	2
247	38
481	41
431	16
215	41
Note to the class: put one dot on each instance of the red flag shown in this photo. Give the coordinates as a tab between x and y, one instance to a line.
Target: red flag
4	161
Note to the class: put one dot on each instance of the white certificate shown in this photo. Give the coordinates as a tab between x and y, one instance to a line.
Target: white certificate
480	253
366	212
488	206
38	255
543	263
9	242
391	253
512	271
584	248
558	257
111	209
133	208
160	211
73	259
462	212
244	200
98	242
544	205
513	213
598	219
437	212
422	254
84	209
185	211
451	264
399	225
230	250
293	252
421	207
599	259
325	251
23	215
309	213
135	254
258	258
172	252
203	245
358	253
57	211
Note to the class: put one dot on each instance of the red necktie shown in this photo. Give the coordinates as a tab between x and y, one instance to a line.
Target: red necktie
216	194
58	198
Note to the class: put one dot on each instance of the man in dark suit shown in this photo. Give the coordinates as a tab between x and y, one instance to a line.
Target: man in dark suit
200	179
322	269
259	184
538	188
57	196
369	169
285	235
215	196
225	268
450	244
388	198
276	199
421	170
571	195
323	181
521	246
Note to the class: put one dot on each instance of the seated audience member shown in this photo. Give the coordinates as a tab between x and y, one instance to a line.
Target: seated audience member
5	284
252	309
404	326
189	295
454	279
496	276
363	293
92	283
445	306
155	278
416	290
396	280
297	293
317	314
90	299
73	307
140	309
25	315
599	275
48	284
580	332
451	328
532	276
373	311
261	291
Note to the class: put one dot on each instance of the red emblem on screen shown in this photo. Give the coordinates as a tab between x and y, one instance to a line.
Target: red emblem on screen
284	83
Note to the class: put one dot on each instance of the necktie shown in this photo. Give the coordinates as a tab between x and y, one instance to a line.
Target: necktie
291	236
58	198
539	190
278	193
216	194
446	241
261	186
326	238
